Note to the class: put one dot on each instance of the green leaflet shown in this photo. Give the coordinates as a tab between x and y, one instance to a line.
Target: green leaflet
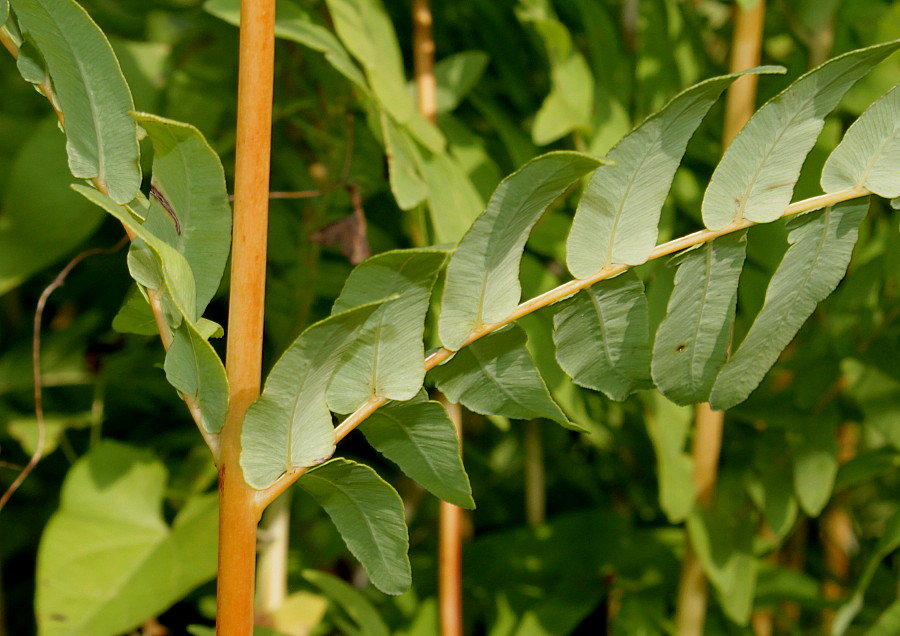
668	426
887	543
289	426
496	376
756	176
4	11
36	231
869	153
602	337
617	217
456	75
403	159
369	515
421	440
482	284
888	623
295	24
820	248
108	560
366	617
453	202
387	357
92	94
188	173
692	340
193	367
815	452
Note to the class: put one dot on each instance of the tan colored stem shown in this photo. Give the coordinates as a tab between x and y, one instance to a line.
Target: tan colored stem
740	101
535	487
239	509
450	551
423	59
556	294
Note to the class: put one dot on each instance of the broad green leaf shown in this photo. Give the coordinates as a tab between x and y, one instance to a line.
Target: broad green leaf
189	175
422	441
602	337
496	376
135	316
866	467
888	623
820	247
668	426
815	449
455	76
369	515
453	201
887	543
877	393
360	610
4	11
617	217
31	64
403	159
290	426
35	231
756	176
92	94
194	368
869	153
295	24
692	340
387	358
25	429
482	284
107	560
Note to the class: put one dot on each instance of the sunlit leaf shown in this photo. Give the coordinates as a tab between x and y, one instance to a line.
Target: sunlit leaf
194	368
617	218
403	158
692	340
290	426
350	600
483	275
495	375
420	438
756	177
92	93
869	153
602	337
387	358
369	515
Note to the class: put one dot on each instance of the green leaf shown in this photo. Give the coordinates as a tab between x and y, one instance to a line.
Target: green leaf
360	610
403	159
194	368
107	560
869	153
453	202
888	624
369	515
387	358
290	426
617	217
820	248
189	175
422	441
756	177
496	376
668	426
455	76
887	543
135	315
815	449
602	338
92	94
295	24
692	340
482	284
4	11
36	231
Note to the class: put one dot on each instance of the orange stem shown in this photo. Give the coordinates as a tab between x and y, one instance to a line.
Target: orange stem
450	552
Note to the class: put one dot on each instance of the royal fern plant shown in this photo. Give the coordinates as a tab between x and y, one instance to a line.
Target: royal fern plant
367	362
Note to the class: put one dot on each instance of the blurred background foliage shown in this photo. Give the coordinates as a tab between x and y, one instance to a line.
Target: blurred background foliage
591	542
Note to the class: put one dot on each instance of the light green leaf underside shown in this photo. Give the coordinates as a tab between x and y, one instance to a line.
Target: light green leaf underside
353	601
193	367
290	426
756	177
107	560
602	337
295	24
190	176
92	93
482	283
495	375
869	153
387	358
368	513
403	158
35	231
692	340
420	438
668	426
618	215
135	315
820	247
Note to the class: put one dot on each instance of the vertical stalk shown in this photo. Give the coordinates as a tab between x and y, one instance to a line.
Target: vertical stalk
450	552
740	102
535	489
238	510
271	573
